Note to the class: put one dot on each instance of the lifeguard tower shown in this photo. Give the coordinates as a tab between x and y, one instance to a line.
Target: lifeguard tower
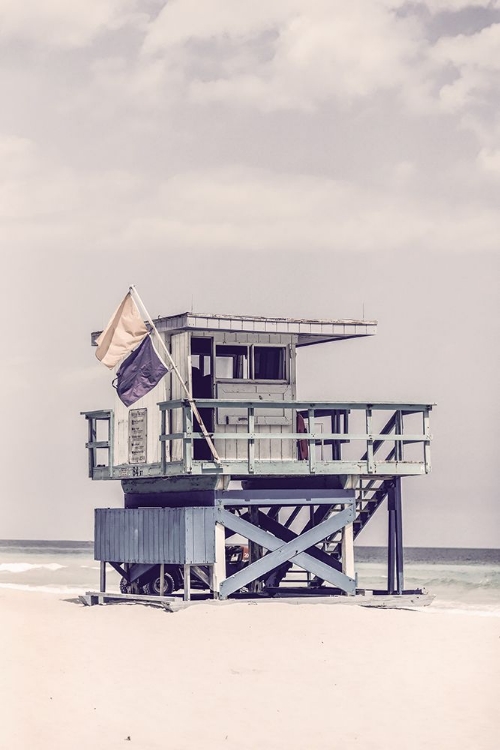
296	480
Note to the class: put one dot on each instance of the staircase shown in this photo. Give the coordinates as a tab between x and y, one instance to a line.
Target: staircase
371	495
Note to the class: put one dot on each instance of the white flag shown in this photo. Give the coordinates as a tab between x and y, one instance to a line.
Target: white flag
124	331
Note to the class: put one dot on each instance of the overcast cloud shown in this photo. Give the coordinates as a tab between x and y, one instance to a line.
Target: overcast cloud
286	158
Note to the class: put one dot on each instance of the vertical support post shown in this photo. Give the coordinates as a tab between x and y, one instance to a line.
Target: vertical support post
162	579
187	583
251	440
102	582
369	441
254	549
390	540
398	535
219	567
348	550
309	575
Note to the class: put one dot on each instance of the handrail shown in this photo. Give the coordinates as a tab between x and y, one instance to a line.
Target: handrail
375	439
207	403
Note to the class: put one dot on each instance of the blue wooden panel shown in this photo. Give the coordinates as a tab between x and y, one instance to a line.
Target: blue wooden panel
155	535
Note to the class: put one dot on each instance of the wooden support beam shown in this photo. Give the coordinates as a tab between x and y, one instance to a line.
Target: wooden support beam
398	531
390	540
187	583
348	551
162	579
282	552
282	532
102	582
219	567
102	586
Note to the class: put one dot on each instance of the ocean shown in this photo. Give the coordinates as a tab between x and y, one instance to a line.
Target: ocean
466	580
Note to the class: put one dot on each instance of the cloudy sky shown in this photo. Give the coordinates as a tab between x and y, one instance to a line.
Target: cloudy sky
308	158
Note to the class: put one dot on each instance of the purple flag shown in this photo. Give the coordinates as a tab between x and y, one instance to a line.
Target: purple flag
139	373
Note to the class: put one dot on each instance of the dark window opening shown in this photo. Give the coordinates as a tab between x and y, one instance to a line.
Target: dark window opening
269	363
201	373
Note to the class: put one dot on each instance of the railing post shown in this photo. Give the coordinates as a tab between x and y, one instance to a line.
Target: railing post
311	442
92	437
427	440
188	436
398	430
251	440
163	442
369	441
111	442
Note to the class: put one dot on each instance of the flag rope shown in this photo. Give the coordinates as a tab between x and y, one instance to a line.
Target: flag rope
135	295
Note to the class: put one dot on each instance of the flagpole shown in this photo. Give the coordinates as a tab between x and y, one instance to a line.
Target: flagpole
194	408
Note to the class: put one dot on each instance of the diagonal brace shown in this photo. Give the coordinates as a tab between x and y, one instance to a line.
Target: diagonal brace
282	532
282	552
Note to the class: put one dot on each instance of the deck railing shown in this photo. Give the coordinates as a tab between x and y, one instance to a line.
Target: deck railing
375	444
97	447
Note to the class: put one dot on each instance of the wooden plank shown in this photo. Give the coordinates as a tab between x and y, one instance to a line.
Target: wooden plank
110	595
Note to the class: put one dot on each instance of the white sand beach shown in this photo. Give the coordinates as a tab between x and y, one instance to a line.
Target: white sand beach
244	675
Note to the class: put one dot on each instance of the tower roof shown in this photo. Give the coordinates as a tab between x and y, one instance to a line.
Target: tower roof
309	331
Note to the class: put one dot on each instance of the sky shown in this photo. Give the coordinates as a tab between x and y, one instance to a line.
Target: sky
301	158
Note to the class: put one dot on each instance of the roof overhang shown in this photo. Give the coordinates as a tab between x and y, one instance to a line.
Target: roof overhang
308	331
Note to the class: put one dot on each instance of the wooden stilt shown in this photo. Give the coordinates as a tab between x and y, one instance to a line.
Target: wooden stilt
102	586
390	541
348	551
219	567
162	579
187	583
398	535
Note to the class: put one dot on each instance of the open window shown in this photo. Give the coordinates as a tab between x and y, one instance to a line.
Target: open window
240	362
231	362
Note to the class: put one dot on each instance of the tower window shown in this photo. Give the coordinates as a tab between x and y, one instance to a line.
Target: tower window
269	363
250	362
232	362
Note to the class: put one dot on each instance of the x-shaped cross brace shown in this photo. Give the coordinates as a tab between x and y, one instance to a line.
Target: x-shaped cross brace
281	551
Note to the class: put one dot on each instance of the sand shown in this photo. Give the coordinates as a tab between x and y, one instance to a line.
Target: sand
244	675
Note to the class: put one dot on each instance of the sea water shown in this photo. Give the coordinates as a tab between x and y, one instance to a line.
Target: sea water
460	579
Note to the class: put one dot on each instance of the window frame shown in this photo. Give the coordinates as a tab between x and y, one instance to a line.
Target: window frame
251	363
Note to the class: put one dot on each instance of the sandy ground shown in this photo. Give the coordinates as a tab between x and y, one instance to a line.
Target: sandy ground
245	675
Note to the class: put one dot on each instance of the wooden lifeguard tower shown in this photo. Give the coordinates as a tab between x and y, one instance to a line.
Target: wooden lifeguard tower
296	480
